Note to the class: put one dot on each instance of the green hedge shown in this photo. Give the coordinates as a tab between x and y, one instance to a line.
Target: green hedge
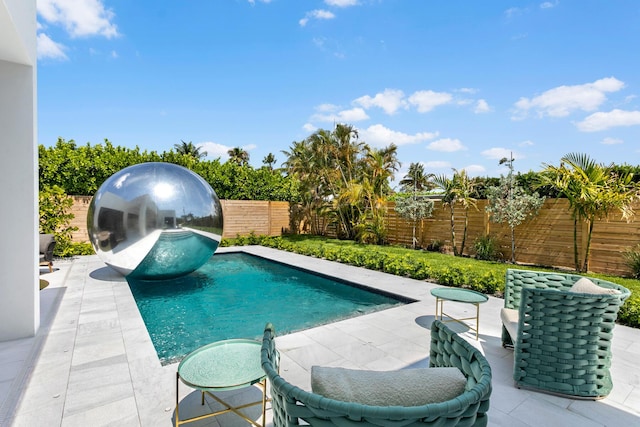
482	276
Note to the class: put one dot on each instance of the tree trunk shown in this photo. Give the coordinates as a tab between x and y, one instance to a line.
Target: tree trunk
575	244
453	231
413	237
585	267
513	245
464	232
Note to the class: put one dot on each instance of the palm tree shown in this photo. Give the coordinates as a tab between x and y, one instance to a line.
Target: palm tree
458	189
593	191
336	156
343	179
378	167
269	160
239	156
464	189
188	149
416	179
302	164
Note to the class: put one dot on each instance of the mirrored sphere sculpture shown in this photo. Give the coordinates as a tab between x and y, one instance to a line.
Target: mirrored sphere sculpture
155	221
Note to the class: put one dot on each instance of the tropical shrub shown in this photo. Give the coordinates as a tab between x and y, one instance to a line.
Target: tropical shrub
435	245
632	259
487	248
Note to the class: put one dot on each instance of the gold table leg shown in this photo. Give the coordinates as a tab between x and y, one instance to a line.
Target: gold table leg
440	314
236	410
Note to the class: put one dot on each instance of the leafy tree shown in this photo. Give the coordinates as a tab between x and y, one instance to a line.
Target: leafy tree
234	182
481	184
55	216
238	156
457	190
414	207
510	203
594	191
188	149
81	170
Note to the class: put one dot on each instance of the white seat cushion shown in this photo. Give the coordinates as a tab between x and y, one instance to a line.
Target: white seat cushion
586	286
407	387
510	319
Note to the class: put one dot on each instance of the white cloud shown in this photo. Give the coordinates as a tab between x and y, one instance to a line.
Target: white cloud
447	145
475	170
253	2
498	153
526	143
468	90
611	141
327	107
563	100
614	118
513	12
341	3
391	100
427	100
482	107
309	127
344	116
79	18
214	150
316	14
437	164
47	48
380	136
548	5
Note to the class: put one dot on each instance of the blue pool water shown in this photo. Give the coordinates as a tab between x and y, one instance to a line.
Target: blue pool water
234	295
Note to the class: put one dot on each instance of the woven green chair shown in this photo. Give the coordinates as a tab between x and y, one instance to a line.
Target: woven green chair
292	406
561	338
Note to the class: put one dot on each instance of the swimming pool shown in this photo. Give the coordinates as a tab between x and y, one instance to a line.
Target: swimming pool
234	294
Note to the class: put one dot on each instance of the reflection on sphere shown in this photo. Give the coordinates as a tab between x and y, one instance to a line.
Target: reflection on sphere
155	221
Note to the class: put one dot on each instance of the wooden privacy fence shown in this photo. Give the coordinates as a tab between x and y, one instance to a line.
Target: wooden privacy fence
241	217
546	239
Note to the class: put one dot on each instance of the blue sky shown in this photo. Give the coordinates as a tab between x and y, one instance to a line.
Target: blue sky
457	84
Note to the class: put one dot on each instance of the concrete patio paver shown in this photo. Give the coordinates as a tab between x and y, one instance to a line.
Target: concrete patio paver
93	363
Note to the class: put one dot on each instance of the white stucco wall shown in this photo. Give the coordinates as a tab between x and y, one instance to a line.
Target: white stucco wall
19	290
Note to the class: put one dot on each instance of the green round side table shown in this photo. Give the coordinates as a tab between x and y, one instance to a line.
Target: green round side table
221	366
466	296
